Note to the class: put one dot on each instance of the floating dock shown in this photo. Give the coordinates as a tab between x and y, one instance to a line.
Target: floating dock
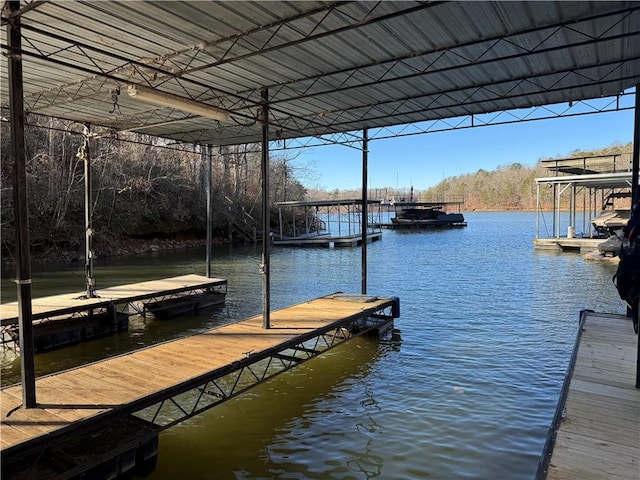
72	317
564	244
596	430
165	384
330	241
421	226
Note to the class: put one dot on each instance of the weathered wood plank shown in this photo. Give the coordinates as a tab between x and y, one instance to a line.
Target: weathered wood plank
579	456
600	436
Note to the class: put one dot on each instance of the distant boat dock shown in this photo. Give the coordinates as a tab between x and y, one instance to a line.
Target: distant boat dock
582	190
326	223
71	429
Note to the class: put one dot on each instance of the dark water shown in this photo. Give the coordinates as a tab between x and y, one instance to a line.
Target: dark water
466	389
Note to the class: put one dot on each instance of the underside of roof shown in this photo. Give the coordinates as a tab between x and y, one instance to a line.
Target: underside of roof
326	67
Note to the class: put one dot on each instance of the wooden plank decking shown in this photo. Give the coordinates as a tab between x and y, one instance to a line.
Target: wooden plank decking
67	398
56	305
600	434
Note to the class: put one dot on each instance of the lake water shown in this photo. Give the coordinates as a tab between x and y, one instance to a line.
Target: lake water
466	388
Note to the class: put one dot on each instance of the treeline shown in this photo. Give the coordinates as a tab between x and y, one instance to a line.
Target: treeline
508	187
142	188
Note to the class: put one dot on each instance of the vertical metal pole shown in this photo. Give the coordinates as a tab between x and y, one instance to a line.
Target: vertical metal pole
208	152
592	207
266	215
572	211
635	194
306	220
559	222
584	211
553	214
365	206
635	161
537	210
20	207
90	291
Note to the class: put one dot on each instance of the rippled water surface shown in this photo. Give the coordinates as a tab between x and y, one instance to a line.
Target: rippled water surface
466	388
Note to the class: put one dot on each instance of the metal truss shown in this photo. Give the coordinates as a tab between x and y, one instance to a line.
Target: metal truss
256	369
173	68
140	307
9	338
622	102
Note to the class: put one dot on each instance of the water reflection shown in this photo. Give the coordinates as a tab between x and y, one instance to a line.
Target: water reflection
280	429
481	311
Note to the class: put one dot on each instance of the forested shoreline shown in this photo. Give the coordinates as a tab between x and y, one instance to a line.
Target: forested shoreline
145	192
148	195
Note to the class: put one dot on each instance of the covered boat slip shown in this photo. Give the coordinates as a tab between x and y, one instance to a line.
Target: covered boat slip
327	223
584	191
215	365
597	425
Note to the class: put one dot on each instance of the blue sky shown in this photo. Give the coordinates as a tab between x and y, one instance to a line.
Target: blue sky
423	160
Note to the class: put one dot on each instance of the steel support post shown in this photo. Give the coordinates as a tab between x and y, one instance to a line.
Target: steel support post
553	215
558	212
365	206
635	194
207	151
537	210
90	290
635	162
266	215
572	206
20	206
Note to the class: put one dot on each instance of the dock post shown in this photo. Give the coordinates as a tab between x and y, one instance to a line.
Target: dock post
365	209
266	214
208	152
85	156
635	193
635	161
20	206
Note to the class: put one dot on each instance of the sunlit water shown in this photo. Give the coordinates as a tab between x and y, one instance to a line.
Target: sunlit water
466	388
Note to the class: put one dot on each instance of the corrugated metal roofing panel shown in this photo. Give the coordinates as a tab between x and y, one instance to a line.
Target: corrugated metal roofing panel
328	66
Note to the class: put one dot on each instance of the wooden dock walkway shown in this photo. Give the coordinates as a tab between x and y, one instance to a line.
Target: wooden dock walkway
70	401
71	303
599	434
